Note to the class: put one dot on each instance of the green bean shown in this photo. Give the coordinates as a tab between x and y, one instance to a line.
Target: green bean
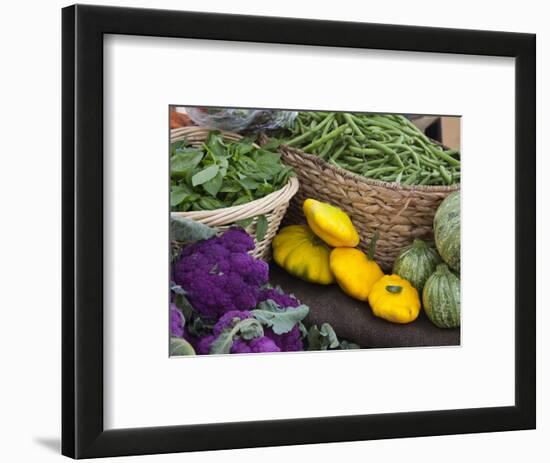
427	161
326	138
337	153
379	170
445	156
446	176
387	150
425	179
317	116
399	177
310	132
366	151
410	179
353	125
326	148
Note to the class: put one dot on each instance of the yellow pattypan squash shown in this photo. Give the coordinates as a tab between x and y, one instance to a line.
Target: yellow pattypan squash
302	254
330	223
394	299
354	271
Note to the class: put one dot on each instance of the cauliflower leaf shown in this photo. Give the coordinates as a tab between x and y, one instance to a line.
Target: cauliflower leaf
280	320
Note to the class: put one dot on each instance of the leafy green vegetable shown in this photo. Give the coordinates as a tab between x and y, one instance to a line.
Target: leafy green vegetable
184	160
281	320
205	175
222	174
261	227
322	339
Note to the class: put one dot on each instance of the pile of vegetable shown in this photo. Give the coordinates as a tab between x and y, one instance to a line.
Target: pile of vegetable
385	147
222	302
221	174
324	252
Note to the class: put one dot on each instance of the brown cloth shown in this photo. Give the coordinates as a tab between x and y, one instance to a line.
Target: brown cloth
353	320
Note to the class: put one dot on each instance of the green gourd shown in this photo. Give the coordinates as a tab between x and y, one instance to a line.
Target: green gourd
447	230
441	298
416	263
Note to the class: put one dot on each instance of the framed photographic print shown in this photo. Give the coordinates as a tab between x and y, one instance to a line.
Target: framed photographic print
284	231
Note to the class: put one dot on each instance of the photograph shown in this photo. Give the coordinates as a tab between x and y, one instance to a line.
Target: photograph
299	230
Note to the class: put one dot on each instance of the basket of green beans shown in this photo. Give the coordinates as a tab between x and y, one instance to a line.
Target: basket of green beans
381	169
383	147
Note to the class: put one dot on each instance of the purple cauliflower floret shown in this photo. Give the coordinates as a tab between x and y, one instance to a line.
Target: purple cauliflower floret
218	274
240	346
226	320
177	322
202	346
287	342
280	298
263	344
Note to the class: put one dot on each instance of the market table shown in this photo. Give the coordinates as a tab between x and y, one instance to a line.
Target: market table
354	321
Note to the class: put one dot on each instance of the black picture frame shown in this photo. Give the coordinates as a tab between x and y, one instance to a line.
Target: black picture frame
83	434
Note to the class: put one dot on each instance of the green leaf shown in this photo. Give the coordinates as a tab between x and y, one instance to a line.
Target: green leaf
222	344
261	227
183	161
178	194
199	326
281	320
213	186
249	183
346	345
214	144
248	328
204	175
177	145
184	229
245	222
264	190
272	144
179	346
230	186
322	339
245	146
241	200
209	204
268	163
184	305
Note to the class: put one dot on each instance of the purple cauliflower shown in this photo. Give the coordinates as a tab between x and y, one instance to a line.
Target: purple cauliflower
287	342
240	346
218	274
202	346
177	322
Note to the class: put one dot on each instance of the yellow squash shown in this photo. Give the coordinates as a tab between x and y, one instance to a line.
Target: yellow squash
302	254
354	271
394	299
330	223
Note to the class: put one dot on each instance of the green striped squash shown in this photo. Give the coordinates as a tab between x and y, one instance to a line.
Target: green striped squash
441	298
416	263
447	230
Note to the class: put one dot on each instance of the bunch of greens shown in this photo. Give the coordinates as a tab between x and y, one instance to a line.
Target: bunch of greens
221	174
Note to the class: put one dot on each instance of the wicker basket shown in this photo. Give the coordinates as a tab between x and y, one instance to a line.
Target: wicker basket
399	212
273	206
